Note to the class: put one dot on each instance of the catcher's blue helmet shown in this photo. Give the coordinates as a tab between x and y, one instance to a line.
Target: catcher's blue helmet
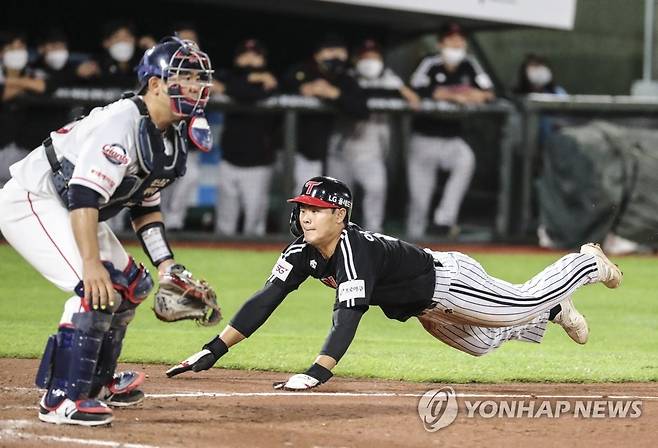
178	62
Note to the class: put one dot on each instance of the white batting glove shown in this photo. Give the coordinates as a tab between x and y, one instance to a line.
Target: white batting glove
313	377
298	382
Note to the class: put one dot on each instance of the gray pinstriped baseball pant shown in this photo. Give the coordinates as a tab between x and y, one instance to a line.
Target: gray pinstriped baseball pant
476	313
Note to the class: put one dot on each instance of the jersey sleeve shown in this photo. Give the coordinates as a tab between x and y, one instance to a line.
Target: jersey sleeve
290	271
480	78
103	160
421	79
355	270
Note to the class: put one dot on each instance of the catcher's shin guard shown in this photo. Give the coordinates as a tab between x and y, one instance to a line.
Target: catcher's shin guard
69	360
110	350
53	371
90	330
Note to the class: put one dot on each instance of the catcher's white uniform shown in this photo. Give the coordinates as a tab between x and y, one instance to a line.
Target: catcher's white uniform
104	149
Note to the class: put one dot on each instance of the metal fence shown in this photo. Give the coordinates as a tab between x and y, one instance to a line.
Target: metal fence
488	120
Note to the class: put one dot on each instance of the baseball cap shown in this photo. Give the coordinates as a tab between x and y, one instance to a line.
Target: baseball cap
368	45
450	28
250	44
330	40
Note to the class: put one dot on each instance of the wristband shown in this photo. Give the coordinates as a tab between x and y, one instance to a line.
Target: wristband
154	242
217	347
319	372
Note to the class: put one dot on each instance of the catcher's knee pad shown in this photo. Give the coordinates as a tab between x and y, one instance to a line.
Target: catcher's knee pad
132	285
111	349
70	357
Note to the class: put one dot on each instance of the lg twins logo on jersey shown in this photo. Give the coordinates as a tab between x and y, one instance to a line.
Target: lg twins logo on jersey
116	154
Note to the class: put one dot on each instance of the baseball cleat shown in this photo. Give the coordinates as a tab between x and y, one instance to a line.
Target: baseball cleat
609	273
122	390
572	321
56	408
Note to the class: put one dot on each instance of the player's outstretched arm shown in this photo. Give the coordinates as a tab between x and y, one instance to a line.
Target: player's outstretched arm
253	313
344	324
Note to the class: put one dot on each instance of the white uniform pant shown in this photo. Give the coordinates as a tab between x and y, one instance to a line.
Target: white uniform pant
243	189
475	313
426	156
358	158
305	169
39	228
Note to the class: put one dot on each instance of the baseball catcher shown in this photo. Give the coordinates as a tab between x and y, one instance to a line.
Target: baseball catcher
54	211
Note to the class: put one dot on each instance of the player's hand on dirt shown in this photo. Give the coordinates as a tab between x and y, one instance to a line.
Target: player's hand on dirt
98	289
297	383
202	360
313	377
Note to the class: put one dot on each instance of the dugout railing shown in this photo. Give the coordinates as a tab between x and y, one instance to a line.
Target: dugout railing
497	113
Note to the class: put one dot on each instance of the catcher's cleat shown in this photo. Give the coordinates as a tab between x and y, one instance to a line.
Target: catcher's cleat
572	321
609	273
122	390
123	400
56	408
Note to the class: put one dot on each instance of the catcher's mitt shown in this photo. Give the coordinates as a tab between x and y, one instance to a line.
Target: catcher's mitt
180	296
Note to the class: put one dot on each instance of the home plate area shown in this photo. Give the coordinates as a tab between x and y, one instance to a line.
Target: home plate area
234	408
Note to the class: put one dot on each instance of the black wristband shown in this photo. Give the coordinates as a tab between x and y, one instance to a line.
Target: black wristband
217	347
319	372
154	242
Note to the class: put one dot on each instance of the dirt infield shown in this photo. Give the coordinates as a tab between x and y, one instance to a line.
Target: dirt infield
239	409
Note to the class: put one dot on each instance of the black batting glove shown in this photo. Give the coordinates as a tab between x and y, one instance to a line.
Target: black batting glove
202	360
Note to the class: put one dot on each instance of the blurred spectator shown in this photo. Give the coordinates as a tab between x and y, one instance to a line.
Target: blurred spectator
247	145
357	153
452	75
188	31
536	76
324	77
17	80
121	56
55	65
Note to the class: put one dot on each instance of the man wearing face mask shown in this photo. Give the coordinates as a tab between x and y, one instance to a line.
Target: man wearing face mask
247	144
17	79
117	66
454	76
358	149
325	77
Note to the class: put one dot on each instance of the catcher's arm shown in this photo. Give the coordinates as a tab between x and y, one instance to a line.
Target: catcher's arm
149	227
344	324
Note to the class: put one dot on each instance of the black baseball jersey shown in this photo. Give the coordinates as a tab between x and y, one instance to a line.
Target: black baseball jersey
432	73
366	269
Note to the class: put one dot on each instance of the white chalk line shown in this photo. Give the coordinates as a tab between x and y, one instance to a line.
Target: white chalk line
220	394
389	394
15	429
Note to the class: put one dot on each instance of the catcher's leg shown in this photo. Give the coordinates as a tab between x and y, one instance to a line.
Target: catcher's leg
67	369
478	341
121	388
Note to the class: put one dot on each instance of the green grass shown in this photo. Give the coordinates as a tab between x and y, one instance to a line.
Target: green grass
623	342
